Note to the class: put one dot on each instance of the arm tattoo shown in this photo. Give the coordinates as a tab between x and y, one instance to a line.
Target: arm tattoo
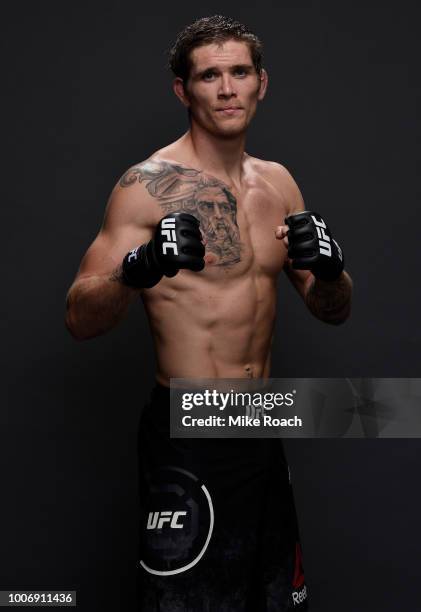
117	274
330	301
180	189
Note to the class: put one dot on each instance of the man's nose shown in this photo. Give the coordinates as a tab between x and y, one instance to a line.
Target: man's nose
226	88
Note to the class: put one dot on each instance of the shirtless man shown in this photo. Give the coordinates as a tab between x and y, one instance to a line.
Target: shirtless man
201	231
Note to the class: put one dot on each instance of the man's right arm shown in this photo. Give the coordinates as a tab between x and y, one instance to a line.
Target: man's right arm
98	299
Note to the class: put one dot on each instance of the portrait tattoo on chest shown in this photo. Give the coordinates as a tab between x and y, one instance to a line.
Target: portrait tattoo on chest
180	189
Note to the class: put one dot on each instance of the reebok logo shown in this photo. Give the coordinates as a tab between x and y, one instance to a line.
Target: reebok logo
299	596
168	232
324	240
156	520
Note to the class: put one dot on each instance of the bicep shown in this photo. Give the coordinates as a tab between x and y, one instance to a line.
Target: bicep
293	197
300	279
128	222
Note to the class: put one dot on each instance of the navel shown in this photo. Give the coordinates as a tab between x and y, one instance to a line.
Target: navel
249	371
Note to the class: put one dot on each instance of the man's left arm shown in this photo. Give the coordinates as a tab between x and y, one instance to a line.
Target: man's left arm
329	301
314	263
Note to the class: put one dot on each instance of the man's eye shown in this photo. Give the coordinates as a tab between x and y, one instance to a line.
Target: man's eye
240	71
208	75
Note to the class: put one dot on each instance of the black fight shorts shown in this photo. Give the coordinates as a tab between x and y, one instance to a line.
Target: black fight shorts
218	530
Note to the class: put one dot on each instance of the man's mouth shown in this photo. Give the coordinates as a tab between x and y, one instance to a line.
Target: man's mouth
229	110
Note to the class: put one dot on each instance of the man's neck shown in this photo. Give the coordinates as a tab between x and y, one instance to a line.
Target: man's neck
222	158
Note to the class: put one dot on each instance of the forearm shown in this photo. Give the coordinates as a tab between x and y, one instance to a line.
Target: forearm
330	301
95	304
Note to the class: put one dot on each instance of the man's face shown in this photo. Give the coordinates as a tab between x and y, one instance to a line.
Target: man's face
218	223
217	215
223	88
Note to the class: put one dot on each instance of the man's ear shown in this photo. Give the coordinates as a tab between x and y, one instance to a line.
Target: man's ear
264	80
180	92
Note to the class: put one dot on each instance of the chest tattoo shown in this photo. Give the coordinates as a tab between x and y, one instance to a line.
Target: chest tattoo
180	189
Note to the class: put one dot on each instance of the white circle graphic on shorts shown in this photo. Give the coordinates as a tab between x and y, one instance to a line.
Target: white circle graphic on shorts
188	566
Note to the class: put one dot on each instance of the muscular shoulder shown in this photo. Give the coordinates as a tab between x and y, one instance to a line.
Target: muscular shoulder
135	198
281	180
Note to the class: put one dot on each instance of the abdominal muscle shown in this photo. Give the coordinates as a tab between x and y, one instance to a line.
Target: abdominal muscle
207	329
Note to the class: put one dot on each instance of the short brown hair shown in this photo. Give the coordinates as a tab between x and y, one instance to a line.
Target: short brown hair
208	30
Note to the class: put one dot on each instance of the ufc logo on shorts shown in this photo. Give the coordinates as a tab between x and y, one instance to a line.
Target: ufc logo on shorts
324	240
156	520
168	231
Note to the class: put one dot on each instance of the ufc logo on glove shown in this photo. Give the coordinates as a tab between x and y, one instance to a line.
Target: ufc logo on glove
168	232
324	239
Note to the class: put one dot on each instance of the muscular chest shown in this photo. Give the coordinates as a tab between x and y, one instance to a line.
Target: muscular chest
238	226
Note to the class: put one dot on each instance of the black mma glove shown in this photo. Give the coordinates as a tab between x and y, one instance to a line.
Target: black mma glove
311	246
177	244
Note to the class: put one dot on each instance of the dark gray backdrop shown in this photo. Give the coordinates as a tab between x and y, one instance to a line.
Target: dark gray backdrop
86	95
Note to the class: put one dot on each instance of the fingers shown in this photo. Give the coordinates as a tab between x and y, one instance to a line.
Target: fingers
281	234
